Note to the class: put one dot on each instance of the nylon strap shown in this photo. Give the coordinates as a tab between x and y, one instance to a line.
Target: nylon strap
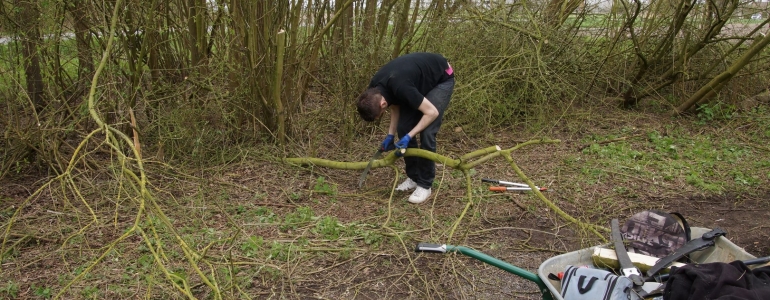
627	267
707	240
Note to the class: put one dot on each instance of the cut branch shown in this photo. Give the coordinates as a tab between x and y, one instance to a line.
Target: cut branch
461	164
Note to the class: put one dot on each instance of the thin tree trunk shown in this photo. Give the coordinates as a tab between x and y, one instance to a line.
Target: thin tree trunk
196	24
347	24
29	22
382	23
79	13
154	40
369	17
276	91
401	28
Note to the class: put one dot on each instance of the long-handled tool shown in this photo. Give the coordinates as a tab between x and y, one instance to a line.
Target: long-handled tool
444	248
513	188
369	166
509	186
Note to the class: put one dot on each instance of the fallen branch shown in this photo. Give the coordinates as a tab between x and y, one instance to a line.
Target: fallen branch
461	164
464	164
590	227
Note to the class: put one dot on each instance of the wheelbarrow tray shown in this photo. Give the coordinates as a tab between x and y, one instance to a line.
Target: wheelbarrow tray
723	251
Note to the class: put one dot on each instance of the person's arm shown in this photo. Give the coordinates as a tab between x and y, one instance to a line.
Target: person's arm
394	110
429	114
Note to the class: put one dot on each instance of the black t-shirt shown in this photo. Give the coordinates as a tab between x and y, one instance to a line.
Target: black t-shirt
405	80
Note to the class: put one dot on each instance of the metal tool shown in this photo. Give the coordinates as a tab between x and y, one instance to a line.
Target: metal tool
369	166
627	267
509	186
513	188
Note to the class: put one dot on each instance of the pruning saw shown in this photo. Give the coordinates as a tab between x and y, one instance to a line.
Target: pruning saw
368	167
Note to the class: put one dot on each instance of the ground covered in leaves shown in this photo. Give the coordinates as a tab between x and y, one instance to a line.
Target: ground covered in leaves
262	229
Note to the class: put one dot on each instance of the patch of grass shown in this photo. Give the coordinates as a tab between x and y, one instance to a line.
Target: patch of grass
372	238
264	215
696	180
295	196
10	289
665	146
592	175
743	179
706	162
281	251
292	220
323	187
90	292
329	228
272	273
42	291
252	246
710	112
146	261
120	290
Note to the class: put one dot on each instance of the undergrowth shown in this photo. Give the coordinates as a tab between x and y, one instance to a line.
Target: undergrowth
259	227
200	204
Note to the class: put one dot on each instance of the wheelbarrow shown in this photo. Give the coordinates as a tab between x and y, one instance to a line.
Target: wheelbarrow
723	251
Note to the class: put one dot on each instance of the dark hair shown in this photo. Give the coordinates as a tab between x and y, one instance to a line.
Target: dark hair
369	104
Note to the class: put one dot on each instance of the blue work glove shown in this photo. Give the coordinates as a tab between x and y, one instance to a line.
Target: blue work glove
388	144
402	144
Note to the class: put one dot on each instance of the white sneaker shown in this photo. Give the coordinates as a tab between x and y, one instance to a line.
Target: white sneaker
408	184
420	195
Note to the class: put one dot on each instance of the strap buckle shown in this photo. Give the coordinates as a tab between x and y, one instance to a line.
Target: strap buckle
628	272
717	232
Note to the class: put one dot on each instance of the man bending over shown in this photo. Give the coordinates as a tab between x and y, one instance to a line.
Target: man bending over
416	88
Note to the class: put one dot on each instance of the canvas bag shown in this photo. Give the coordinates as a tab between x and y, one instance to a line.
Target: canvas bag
582	283
655	233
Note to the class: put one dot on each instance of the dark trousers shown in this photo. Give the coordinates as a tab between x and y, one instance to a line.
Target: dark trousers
421	170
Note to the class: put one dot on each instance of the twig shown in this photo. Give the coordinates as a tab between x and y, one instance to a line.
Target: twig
516	228
518	203
469	194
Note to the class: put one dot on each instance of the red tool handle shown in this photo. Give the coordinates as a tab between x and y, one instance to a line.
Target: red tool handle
512	188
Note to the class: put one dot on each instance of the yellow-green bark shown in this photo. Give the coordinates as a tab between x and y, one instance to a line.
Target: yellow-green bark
464	164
